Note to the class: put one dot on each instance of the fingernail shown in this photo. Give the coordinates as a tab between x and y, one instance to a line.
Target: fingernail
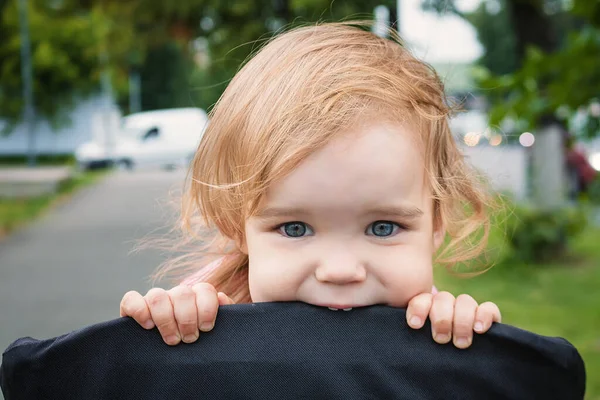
172	340
462	342
441	338
148	324
206	326
478	326
190	338
415	321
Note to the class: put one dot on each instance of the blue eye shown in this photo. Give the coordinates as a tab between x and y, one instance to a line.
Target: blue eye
295	229
382	228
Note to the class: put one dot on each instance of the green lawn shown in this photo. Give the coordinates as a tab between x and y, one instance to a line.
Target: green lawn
556	299
15	212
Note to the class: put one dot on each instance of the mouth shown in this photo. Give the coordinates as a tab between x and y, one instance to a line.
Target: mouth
335	306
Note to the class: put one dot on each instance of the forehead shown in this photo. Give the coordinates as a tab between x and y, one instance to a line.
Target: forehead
365	165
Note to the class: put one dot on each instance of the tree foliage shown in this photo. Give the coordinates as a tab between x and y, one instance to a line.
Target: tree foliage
550	85
74	41
235	29
497	37
553	84
64	52
550	69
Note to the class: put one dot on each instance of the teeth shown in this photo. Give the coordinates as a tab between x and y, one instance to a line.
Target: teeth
332	309
347	309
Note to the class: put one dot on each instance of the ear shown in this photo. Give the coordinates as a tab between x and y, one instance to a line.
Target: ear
439	233
240	243
243	248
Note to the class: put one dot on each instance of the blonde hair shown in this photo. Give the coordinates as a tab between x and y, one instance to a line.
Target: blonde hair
300	90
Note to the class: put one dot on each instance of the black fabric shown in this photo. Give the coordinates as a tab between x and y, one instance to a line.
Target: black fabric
292	351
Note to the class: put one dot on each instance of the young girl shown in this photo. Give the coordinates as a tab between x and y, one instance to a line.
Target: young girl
330	173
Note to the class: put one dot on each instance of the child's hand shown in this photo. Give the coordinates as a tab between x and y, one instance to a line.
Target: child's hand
452	318
177	313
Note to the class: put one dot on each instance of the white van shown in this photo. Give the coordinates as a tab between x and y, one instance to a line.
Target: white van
163	138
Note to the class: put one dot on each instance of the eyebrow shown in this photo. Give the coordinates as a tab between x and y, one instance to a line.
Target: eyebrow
406	212
410	212
276	212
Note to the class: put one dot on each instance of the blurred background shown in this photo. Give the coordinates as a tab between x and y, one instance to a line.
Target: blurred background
103	102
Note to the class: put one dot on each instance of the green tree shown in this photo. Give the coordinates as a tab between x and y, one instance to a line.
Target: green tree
165	84
95	36
497	37
551	67
74	41
65	54
556	78
234	29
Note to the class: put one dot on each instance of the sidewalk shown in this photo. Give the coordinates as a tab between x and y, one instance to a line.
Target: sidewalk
17	182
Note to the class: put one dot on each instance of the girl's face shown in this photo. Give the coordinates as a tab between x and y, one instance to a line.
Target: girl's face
351	226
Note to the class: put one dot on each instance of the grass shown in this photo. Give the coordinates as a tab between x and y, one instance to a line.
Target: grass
41	159
561	298
16	212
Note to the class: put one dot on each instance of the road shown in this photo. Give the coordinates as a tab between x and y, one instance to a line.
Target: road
71	267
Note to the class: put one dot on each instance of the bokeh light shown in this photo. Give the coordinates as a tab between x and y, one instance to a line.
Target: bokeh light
527	139
595	161
495	140
471	139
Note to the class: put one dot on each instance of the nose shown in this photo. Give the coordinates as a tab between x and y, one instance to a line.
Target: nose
340	268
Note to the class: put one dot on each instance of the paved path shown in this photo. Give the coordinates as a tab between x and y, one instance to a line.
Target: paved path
70	268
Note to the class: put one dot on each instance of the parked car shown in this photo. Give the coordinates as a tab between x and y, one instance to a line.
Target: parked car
163	138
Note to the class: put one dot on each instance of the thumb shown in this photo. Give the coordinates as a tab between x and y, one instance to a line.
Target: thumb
224	300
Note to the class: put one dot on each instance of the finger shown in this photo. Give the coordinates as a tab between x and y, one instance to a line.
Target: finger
207	304
465	308
133	305
183	299
224	300
441	315
418	310
161	310
486	314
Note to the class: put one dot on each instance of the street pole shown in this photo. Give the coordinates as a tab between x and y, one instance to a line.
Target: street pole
398	14
382	21
109	129
105	80
135	97
26	76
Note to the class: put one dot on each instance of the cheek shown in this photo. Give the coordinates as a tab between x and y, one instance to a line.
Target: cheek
406	274
258	273
273	274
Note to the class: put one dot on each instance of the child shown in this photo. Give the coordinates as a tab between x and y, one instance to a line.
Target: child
331	174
